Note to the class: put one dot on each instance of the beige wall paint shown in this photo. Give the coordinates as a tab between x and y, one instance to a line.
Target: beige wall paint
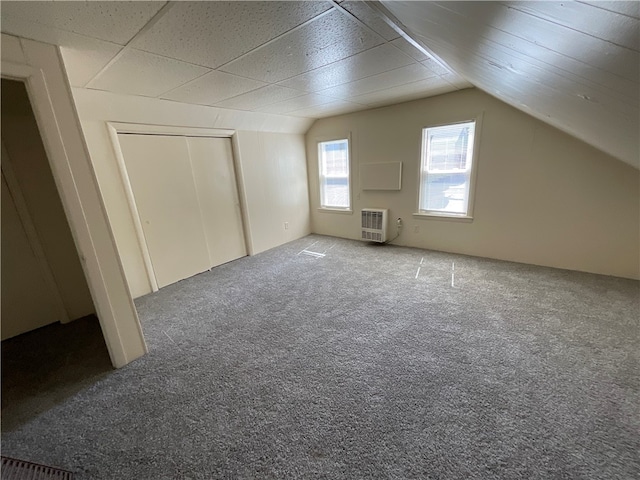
273	173
30	165
40	66
272	177
542	197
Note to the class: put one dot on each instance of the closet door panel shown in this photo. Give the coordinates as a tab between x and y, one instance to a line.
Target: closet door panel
163	186
212	162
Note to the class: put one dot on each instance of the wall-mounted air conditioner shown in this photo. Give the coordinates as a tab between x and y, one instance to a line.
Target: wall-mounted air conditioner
374	224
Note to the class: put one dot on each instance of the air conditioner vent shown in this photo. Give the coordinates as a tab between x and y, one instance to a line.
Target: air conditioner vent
374	224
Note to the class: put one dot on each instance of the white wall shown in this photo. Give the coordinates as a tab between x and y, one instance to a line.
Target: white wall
271	167
273	173
40	66
542	196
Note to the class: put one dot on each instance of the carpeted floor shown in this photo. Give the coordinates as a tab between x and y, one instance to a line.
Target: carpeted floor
367	362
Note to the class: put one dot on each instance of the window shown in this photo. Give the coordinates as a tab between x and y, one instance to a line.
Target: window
445	173
333	159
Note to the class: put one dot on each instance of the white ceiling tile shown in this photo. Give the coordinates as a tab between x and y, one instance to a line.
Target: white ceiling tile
260	98
410	96
400	76
422	88
213	87
375	60
116	22
328	109
142	73
409	49
327	39
213	33
435	67
83	63
370	17
297	103
456	80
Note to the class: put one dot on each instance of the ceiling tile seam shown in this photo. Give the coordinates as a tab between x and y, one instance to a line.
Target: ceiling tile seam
599	6
49	27
346	12
231	110
394	86
274	39
264	104
536	63
312	106
317	116
399	27
567	27
185	84
319	92
413	60
155	19
450	83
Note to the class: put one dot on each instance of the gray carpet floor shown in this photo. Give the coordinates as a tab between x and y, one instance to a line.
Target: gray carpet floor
367	362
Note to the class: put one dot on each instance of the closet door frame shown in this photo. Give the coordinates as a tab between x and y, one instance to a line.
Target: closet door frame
116	128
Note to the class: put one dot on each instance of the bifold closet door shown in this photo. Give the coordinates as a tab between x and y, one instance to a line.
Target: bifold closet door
212	163
159	170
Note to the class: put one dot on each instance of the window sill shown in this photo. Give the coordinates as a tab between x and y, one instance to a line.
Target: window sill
344	211
444	216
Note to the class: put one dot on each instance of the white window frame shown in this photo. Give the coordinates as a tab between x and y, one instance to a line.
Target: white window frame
321	178
468	215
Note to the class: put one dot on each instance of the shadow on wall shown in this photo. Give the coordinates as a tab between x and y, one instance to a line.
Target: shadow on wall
42	368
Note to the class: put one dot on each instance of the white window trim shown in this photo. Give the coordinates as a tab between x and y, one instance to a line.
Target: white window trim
464	217
334	138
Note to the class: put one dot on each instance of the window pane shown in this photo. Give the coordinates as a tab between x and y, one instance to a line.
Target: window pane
446	168
334	174
446	192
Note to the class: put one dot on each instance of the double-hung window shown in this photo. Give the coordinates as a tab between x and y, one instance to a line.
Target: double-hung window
333	160
446	169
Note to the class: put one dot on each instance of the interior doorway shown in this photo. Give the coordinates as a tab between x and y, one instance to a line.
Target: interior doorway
43	281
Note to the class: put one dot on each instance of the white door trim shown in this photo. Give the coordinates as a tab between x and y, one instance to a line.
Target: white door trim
116	128
121	350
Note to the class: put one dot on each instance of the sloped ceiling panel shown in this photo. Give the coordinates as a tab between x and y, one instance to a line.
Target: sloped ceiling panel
573	65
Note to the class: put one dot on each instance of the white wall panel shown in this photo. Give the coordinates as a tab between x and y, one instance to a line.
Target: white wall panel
273	172
542	196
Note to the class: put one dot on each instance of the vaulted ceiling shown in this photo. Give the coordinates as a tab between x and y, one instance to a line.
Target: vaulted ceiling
574	65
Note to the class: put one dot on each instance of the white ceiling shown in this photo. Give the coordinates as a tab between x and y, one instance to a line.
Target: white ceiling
572	64
297	58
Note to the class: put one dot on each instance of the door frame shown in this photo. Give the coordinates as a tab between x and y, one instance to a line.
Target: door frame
115	128
43	74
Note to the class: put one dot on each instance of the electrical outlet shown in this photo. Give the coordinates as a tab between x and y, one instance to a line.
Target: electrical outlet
416	229
286	225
